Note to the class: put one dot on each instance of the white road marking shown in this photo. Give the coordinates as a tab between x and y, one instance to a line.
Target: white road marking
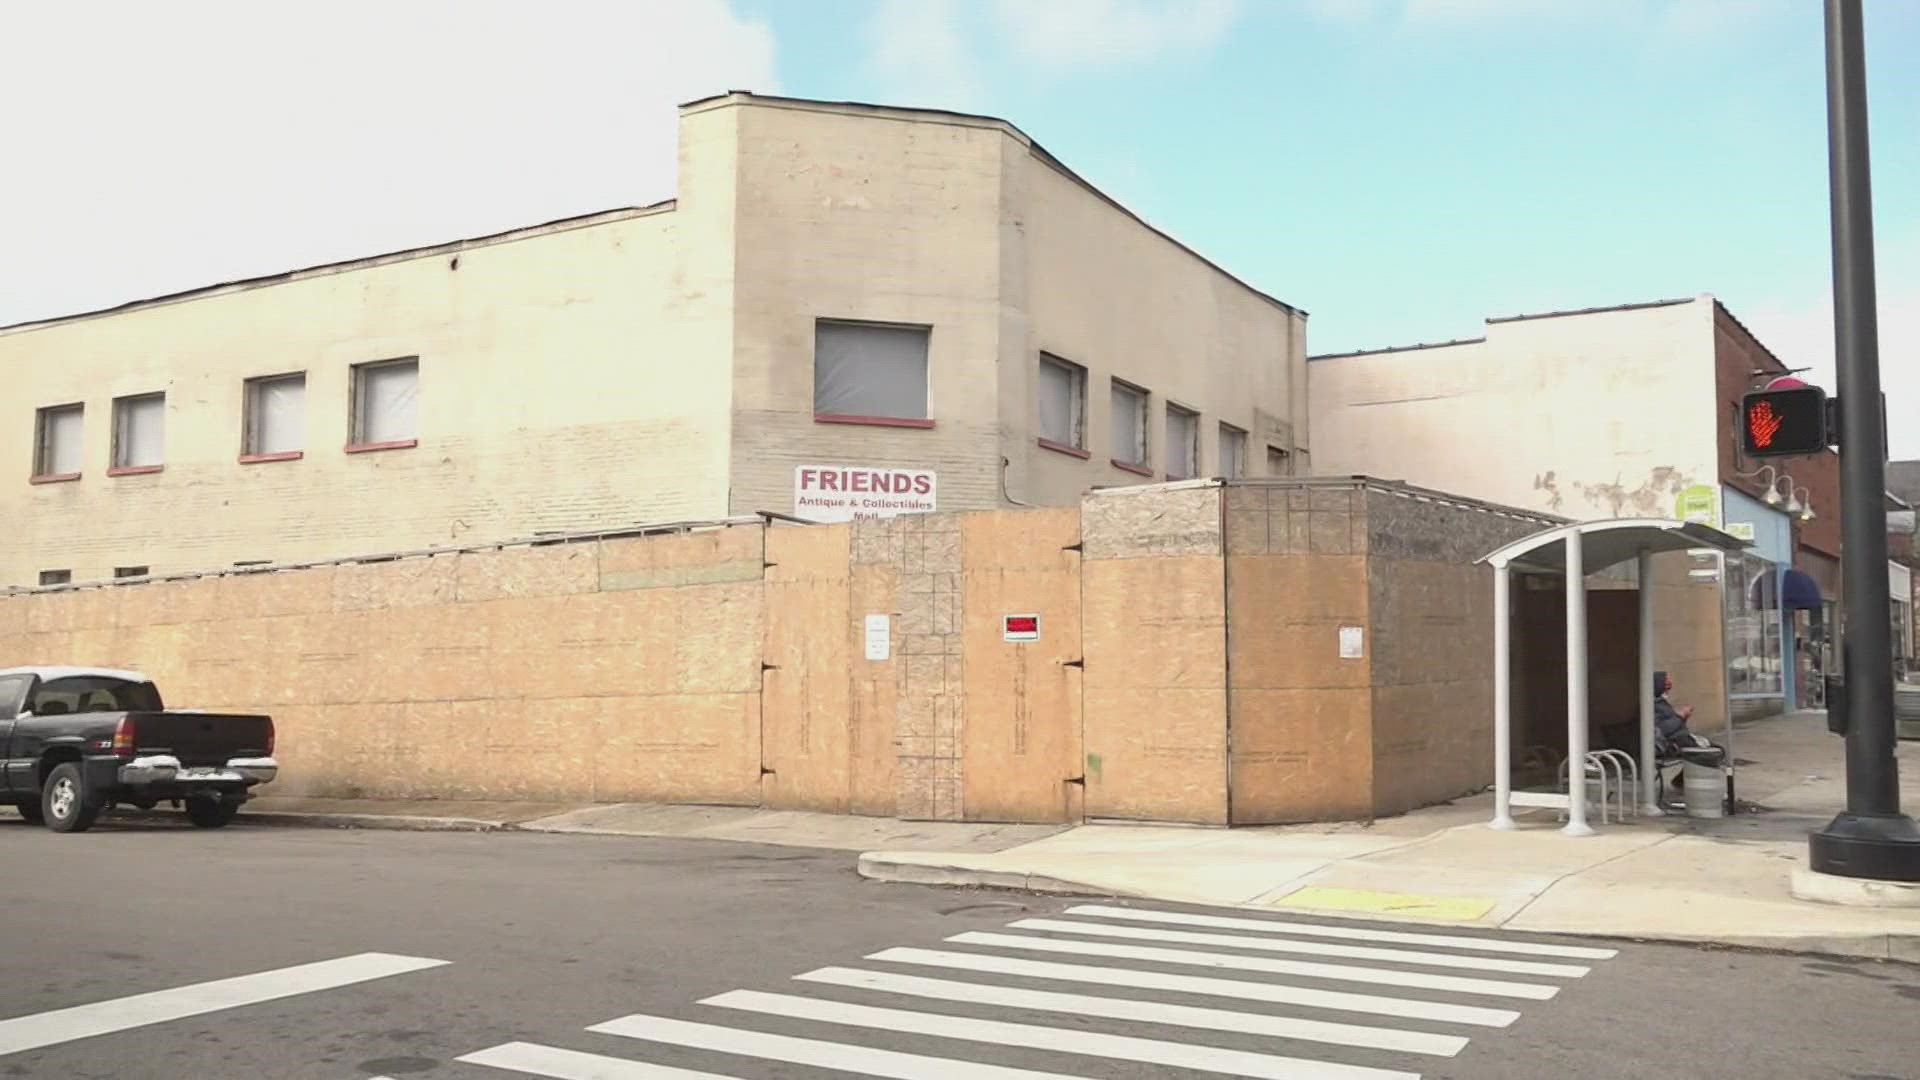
1308	948
1278	993
104	1017
1146	1012
1349	933
561	1064
846	1057
1348	973
1059	1040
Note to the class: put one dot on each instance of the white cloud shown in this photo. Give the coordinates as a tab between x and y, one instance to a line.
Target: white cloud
1660	21
1800	332
158	147
918	55
931	52
1087	33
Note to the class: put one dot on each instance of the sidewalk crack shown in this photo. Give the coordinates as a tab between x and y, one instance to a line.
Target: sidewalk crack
1556	882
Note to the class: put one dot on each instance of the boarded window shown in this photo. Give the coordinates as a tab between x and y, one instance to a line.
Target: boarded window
870	370
1233	452
56	577
1063	402
1183	443
1278	463
386	398
57	446
276	416
139	431
1129	424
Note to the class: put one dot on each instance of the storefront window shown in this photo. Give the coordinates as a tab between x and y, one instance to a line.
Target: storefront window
1753	626
1902	646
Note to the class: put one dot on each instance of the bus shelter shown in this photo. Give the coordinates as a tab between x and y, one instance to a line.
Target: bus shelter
1574	552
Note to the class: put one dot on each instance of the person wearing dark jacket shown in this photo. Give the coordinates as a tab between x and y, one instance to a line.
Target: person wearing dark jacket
1670	731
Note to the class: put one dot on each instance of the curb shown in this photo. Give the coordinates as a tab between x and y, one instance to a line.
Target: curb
907	873
391	822
1904	948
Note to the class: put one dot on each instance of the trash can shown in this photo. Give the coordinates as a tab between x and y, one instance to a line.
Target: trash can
1703	782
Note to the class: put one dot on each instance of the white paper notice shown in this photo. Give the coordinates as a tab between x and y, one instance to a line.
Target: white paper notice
879	637
1352	639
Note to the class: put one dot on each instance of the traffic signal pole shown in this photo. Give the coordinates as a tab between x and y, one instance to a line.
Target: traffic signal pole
1872	838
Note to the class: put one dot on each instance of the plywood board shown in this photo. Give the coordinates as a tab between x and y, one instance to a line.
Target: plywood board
806	724
399	583
555	570
1021	742
734	554
874	695
1154	636
1301	754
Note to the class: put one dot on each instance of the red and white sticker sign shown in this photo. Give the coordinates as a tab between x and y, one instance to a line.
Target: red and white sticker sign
843	493
1021	628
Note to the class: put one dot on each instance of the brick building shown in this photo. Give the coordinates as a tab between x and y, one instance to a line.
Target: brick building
1619	411
846	310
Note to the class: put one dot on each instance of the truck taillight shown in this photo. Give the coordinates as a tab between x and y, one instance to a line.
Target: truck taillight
123	736
269	738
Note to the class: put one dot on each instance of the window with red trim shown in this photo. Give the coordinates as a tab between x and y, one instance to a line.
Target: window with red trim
869	371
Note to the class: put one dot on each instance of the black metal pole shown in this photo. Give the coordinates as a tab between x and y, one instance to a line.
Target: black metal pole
1872	839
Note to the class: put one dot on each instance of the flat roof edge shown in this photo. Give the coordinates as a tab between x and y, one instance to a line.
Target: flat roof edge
446	247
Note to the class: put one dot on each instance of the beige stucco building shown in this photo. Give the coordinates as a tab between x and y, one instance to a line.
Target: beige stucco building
845	308
1627	411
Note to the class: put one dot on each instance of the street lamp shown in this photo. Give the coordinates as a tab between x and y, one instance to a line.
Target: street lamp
1871	838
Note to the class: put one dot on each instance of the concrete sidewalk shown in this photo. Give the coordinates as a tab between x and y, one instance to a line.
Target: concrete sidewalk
789	828
1705	881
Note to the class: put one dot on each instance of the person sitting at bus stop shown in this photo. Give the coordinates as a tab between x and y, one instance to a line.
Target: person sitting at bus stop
1672	737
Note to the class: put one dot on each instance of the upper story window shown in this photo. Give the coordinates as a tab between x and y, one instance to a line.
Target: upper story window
870	373
1063	404
139	433
275	424
1279	462
1183	443
58	450
1233	452
386	398
56	577
1129	426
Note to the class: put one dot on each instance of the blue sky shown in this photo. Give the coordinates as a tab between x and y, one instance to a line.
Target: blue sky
1399	168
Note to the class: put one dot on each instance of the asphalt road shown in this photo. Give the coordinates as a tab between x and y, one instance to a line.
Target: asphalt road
512	945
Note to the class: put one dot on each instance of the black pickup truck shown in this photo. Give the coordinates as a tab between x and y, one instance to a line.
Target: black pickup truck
76	741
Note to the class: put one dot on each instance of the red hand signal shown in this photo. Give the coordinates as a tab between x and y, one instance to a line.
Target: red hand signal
1762	424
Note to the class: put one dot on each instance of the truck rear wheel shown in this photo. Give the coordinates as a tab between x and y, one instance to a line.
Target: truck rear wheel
64	802
211	813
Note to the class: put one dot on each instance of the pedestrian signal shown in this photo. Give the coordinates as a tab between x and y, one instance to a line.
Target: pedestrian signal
1781	423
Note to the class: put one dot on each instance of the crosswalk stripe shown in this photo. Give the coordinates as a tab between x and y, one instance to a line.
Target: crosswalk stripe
1308	948
551	1061
1349	933
1277	993
1148	1012
1346	972
140	1010
846	1057
1061	1040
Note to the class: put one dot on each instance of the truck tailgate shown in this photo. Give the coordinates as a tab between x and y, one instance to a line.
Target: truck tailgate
201	739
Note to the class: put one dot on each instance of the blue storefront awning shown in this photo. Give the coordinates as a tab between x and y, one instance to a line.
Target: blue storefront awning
1797	591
